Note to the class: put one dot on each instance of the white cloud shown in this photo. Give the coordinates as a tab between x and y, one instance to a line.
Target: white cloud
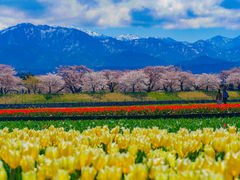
12	16
106	13
195	23
9	16
111	16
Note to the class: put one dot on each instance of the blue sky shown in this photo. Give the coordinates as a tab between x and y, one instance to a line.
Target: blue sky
185	20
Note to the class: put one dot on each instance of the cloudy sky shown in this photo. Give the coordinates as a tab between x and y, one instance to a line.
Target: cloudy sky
188	20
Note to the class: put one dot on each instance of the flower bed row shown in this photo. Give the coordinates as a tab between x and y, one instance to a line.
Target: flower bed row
102	154
124	111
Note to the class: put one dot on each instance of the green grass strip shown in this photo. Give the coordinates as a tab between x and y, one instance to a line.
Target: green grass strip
173	125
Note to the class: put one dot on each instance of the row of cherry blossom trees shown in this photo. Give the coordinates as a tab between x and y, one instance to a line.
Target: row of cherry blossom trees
77	79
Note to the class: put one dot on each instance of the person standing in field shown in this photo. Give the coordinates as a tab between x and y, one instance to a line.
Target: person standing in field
225	95
219	97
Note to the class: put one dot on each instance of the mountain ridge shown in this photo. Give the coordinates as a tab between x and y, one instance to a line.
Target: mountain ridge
41	48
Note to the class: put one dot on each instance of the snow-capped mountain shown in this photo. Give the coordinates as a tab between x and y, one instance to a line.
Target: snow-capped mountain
42	48
127	37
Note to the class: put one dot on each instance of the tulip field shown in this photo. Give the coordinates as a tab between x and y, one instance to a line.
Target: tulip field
130	149
118	153
124	111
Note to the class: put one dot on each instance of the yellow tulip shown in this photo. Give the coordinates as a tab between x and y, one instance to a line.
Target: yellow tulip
66	149
83	159
155	170
3	174
99	161
5	130
232	129
171	159
31	150
219	144
183	164
93	141
126	131
156	161
4	154
234	146
49	168
115	160
88	173
61	175
189	175
112	148
138	172
202	163
115	130
162	176
27	163
156	141
66	152
30	175
40	159
69	164
147	147
52	153
207	138
232	159
127	161
209	151
44	140
106	138
215	177
109	173
123	142
219	167
98	131
51	128
105	128
14	159
41	175
133	149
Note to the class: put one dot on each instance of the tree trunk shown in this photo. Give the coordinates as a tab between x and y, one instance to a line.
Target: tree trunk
133	88
181	86
165	88
60	90
149	89
111	88
49	90
93	89
72	89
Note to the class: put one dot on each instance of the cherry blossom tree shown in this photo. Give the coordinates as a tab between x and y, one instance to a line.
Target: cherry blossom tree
94	82
234	79
73	76
112	79
169	81
76	79
208	81
224	74
8	80
155	77
132	81
196	82
152	77
185	80
52	82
